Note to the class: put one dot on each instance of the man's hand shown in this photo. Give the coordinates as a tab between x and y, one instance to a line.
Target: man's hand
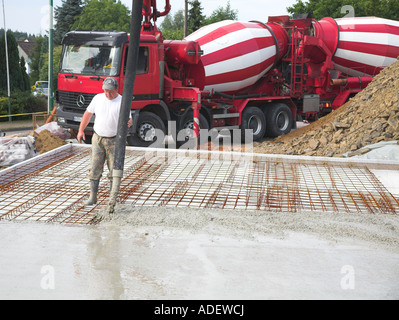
81	135
83	124
130	122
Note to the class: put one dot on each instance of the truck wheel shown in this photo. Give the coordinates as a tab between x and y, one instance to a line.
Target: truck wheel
279	120
254	119
150	131
186	127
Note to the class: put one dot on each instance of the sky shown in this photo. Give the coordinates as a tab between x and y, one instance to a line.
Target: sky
33	16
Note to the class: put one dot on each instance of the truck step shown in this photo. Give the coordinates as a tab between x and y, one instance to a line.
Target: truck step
226	115
226	127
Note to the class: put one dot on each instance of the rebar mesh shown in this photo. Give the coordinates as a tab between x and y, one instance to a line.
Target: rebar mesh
54	186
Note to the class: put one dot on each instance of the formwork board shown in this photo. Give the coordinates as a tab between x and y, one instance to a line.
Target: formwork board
53	187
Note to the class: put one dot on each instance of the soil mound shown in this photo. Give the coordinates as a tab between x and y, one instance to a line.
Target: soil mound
45	141
371	116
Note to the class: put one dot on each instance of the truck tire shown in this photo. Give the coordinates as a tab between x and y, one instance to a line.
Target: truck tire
279	120
254	119
150	131
187	123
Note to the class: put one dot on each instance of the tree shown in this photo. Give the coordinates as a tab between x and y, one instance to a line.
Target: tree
17	74
103	15
173	26
43	72
25	85
221	14
38	59
388	9
178	19
65	17
195	18
19	36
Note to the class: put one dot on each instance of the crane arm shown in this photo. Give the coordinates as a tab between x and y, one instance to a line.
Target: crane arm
150	10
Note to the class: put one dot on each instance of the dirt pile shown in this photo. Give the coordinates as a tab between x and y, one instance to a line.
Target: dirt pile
45	141
369	117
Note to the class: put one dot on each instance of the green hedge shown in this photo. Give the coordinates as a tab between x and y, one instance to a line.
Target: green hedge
21	102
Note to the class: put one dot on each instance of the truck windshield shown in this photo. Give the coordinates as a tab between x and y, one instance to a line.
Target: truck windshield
90	60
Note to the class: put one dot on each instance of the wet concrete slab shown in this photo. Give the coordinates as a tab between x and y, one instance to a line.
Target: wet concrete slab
51	261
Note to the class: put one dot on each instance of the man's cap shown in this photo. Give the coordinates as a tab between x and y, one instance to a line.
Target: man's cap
110	84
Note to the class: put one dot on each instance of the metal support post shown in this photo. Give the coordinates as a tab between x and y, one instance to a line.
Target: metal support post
50	62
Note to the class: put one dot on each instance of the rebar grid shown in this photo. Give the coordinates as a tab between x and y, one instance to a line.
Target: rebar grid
53	187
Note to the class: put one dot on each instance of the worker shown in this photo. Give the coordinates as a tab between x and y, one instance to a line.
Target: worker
106	106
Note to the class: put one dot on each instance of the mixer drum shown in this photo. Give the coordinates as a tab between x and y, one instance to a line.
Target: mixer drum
365	45
236	55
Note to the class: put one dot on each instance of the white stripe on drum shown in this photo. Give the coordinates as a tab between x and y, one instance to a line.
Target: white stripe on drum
365	58
242	62
208	29
373	38
234	38
366	20
233	86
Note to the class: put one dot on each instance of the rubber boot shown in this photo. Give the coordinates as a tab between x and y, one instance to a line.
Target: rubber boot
93	192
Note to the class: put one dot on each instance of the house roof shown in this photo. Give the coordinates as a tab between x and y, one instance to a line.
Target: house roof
27	46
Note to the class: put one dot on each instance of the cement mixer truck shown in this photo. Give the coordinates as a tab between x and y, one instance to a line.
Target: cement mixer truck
229	75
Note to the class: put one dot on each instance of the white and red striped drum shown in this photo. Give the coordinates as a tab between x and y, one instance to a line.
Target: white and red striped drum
363	46
236	54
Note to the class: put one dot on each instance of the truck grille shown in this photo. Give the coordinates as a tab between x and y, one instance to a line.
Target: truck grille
74	101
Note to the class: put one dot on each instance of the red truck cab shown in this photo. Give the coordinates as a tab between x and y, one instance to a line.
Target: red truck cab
90	57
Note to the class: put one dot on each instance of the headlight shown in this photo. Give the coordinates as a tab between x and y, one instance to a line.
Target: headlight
61	120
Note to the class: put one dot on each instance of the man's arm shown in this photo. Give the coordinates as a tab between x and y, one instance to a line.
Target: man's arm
83	124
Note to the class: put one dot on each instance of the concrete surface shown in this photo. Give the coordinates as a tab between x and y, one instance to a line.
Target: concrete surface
226	256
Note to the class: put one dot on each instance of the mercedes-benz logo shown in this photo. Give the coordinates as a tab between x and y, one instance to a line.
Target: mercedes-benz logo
80	101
